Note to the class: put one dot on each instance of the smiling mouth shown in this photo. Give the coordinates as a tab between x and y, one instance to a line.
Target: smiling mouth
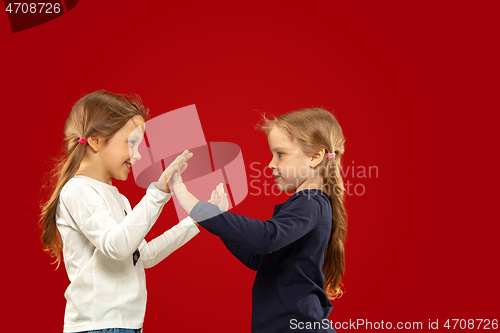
128	164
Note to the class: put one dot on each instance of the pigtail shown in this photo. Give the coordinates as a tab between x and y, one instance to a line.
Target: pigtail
334	264
65	168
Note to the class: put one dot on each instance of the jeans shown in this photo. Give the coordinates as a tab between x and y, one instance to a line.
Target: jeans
115	330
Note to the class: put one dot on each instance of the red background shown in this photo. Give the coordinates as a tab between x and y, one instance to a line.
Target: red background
414	86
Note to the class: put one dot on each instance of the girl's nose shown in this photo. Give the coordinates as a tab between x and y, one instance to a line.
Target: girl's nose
271	165
137	156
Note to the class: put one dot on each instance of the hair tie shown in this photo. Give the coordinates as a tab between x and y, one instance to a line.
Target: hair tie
83	140
331	155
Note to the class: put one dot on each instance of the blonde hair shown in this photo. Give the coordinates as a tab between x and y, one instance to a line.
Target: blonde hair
98	113
316	129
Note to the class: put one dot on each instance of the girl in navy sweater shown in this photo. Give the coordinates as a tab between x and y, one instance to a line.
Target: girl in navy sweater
299	252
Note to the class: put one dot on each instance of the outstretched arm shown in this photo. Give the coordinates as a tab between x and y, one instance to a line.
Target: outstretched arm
92	216
268	236
162	246
219	198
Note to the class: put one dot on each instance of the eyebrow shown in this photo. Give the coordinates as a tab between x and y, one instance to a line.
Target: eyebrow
279	148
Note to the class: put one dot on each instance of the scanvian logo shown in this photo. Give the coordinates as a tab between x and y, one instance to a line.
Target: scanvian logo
26	15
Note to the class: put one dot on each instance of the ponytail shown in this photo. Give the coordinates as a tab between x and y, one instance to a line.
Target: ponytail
98	113
64	170
334	265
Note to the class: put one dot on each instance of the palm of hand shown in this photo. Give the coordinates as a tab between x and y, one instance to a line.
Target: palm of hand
178	165
219	198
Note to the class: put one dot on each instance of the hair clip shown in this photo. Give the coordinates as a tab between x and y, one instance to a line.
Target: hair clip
331	155
83	140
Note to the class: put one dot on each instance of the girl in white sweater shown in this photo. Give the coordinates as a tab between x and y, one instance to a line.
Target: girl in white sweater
100	236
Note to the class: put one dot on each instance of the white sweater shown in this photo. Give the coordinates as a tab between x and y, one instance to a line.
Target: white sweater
99	239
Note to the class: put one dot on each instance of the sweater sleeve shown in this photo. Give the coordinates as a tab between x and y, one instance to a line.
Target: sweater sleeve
291	223
115	240
246	256
162	246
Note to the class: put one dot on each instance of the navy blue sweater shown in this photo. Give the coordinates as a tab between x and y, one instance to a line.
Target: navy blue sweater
287	251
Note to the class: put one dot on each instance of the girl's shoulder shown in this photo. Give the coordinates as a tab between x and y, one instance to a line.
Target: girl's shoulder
315	202
85	187
309	195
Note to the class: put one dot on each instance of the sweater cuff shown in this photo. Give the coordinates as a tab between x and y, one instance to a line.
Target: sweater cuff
204	210
158	194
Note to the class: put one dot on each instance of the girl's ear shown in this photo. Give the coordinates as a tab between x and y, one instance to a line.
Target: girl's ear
317	158
95	142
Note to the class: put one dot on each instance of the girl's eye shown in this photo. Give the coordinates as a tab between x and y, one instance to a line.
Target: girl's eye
131	144
279	154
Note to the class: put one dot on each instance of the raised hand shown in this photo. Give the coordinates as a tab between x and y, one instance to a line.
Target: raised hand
179	164
185	198
219	198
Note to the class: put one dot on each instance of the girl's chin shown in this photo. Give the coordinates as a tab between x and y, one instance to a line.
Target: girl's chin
286	188
123	176
125	173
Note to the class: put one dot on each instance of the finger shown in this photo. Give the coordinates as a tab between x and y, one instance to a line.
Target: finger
169	172
175	165
180	160
178	178
181	156
220	190
183	167
188	156
175	177
212	197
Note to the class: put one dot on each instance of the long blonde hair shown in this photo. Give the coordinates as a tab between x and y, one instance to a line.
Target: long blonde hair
316	129
98	113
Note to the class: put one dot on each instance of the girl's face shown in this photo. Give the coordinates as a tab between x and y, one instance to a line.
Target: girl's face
291	168
121	151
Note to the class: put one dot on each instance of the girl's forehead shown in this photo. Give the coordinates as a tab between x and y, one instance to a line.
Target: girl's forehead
138	131
277	133
279	138
135	127
137	120
137	123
